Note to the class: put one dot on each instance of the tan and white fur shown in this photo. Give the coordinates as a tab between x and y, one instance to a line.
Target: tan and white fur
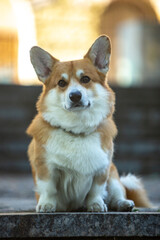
72	136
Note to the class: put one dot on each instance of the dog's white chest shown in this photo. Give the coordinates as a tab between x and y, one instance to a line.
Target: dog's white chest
82	154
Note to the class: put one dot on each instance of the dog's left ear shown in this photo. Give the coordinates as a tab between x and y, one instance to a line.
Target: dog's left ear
99	53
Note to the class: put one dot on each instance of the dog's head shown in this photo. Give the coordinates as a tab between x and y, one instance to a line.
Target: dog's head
75	96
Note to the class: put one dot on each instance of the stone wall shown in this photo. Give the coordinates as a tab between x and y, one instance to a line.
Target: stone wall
137	147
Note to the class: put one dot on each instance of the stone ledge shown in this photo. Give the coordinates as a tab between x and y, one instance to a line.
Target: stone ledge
104	225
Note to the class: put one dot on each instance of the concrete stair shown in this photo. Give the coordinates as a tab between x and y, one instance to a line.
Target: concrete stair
137	117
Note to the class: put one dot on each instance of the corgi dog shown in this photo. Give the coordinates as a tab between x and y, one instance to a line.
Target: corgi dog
72	136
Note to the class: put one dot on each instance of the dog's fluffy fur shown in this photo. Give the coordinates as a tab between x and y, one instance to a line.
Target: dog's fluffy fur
72	140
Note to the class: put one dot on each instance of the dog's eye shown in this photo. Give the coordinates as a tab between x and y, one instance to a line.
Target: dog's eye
62	83
85	79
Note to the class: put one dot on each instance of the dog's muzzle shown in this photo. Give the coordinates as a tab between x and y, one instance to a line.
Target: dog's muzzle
76	101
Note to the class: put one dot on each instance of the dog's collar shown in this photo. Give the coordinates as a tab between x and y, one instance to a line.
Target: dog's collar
73	133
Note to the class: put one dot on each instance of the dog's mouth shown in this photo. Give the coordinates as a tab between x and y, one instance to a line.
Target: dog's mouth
78	106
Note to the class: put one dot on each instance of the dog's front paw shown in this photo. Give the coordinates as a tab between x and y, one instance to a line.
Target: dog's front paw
45	207
125	206
97	205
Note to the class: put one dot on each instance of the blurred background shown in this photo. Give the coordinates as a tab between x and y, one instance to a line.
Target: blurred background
67	29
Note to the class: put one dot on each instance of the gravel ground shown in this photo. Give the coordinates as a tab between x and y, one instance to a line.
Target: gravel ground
17	191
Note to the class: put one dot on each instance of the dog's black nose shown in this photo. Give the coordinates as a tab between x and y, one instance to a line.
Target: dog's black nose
75	96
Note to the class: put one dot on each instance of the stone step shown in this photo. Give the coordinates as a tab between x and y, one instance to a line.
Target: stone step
113	225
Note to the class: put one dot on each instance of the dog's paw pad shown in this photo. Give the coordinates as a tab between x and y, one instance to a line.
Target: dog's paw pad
126	206
47	207
96	207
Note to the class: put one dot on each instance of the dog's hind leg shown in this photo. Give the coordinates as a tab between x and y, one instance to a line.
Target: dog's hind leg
117	194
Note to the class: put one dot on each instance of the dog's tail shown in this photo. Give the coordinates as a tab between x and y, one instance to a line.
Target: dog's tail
135	191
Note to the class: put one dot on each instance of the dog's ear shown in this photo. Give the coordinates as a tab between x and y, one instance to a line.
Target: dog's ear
99	53
42	62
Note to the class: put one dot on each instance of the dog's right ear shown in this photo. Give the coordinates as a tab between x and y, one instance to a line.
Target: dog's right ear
42	62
